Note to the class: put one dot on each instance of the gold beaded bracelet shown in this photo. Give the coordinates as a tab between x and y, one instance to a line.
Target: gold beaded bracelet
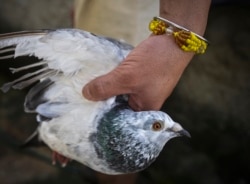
184	38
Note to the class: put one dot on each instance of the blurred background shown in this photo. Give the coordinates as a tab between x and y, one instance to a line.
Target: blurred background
212	101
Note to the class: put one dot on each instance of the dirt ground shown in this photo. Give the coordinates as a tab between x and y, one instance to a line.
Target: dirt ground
212	100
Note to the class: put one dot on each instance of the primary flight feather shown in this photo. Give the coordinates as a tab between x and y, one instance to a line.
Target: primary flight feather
107	136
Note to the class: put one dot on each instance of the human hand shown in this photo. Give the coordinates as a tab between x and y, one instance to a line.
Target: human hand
148	74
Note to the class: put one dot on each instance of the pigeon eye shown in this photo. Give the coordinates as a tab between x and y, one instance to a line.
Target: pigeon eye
157	126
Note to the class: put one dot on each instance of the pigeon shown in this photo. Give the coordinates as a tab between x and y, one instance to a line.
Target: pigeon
107	136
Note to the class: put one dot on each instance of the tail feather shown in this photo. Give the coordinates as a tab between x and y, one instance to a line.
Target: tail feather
24	33
7	52
28	79
15	70
7	49
12	39
7	57
26	83
32	141
35	96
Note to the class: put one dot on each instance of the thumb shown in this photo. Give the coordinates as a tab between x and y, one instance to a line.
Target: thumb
106	86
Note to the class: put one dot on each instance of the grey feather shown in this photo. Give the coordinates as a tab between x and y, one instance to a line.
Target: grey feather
35	96
15	70
28	79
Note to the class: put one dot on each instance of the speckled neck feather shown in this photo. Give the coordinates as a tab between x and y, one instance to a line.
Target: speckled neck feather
120	146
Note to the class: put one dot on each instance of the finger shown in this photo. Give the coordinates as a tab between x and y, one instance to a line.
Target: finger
151	97
142	103
106	86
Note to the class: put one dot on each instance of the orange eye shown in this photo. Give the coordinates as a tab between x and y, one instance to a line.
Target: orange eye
157	126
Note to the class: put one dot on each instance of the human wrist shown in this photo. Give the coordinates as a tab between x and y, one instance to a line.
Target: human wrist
169	53
170	60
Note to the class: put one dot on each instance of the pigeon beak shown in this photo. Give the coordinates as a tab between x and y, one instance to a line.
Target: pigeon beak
184	133
177	129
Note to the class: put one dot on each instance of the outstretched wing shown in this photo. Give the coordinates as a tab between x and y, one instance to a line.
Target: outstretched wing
68	59
62	52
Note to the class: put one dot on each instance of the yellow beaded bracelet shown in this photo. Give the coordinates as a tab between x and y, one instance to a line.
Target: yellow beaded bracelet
185	39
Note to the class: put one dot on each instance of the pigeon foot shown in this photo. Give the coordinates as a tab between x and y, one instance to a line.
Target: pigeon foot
57	157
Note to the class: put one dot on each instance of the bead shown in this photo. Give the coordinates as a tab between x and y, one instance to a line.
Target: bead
189	42
157	27
185	39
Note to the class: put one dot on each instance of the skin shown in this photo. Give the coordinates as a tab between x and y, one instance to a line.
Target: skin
151	71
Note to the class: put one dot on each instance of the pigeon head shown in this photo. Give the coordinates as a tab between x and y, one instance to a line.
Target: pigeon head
158	127
130	141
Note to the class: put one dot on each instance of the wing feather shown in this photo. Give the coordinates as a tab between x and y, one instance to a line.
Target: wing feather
65	51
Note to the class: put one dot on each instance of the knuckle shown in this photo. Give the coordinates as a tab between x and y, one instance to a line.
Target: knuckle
129	80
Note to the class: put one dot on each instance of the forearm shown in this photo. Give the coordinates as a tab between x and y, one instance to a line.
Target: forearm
191	14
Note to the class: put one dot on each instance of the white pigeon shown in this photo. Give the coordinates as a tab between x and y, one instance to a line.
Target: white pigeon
107	136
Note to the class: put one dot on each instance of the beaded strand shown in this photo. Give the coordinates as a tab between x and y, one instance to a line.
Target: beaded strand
187	40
